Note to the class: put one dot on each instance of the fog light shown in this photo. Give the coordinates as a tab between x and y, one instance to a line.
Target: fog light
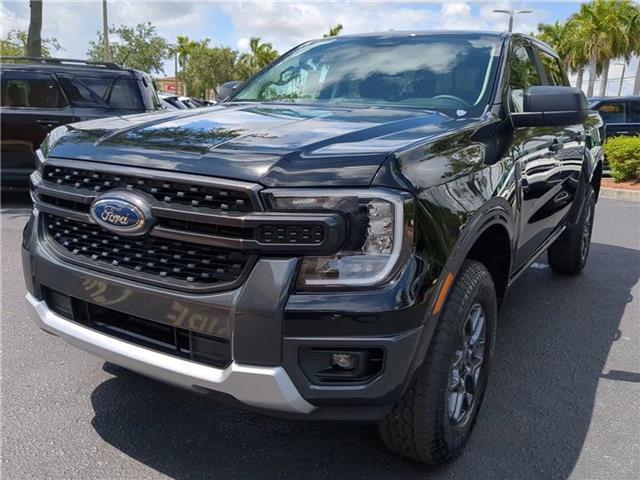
343	361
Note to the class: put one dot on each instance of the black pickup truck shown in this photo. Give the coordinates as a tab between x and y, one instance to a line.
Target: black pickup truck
334	240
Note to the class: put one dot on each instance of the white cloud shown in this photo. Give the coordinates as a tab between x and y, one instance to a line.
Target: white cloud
285	24
243	43
75	23
11	21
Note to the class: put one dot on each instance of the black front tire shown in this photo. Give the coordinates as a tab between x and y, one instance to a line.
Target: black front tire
568	254
421	425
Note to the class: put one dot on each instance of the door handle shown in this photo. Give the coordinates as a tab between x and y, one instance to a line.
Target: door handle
623	132
47	123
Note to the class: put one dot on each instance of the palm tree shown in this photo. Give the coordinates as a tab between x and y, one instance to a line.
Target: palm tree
634	36
563	38
34	40
601	28
183	48
260	55
334	31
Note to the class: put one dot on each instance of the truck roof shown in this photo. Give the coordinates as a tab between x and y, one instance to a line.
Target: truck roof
63	64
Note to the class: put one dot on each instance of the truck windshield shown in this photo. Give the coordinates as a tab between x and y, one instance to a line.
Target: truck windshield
435	71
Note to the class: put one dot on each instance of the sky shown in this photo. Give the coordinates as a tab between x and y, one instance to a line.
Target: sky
283	23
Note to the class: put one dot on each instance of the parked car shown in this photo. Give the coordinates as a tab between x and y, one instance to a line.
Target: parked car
621	115
39	94
334	240
171	102
189	102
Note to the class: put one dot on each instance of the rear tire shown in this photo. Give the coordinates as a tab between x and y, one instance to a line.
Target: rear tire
568	254
433	420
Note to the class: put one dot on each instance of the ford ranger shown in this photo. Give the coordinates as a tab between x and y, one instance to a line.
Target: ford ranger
333	240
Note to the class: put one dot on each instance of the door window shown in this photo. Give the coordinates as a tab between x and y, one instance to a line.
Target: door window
552	69
116	92
612	112
523	74
30	90
634	112
78	94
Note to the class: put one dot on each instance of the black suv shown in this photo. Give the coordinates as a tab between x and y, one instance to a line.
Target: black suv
621	115
40	94
334	240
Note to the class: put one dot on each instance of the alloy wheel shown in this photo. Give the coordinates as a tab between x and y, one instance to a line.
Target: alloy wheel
464	376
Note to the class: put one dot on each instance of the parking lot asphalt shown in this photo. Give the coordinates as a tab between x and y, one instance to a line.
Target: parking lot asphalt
563	400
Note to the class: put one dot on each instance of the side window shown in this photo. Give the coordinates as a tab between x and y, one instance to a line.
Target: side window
123	94
117	92
634	112
78	94
612	112
522	75
30	90
552	69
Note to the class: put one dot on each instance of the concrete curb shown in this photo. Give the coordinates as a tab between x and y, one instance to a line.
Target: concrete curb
620	194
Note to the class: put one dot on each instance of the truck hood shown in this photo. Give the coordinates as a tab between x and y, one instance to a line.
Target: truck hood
275	145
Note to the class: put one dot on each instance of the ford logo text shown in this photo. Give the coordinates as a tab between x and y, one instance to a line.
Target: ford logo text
124	213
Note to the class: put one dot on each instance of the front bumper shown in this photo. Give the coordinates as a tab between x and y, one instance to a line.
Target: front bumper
261	387
267	324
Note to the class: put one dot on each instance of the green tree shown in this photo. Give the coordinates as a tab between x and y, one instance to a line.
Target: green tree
261	55
138	47
602	27
599	32
15	45
334	31
634	36
208	67
564	39
183	48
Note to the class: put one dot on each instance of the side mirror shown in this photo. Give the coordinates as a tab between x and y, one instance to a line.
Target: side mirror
227	89
551	106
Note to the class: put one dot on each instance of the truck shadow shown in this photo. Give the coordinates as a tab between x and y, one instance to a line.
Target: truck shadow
554	337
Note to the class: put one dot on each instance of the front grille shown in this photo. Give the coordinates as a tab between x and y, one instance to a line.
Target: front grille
151	257
157	336
215	198
205	233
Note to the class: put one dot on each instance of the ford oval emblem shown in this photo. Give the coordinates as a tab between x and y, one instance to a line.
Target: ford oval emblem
121	212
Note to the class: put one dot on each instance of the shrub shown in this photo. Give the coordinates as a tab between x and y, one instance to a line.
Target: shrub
623	155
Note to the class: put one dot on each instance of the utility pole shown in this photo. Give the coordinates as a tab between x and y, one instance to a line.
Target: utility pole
175	58
512	13
106	52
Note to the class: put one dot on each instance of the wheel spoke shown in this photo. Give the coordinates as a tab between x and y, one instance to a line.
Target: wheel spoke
466	368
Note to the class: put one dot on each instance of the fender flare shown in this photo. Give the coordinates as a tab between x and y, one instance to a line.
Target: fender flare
497	211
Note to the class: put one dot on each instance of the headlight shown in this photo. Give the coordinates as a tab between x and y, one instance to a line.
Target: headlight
52	138
380	229
40	158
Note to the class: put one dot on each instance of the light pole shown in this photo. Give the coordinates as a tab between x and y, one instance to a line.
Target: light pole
624	67
512	13
106	52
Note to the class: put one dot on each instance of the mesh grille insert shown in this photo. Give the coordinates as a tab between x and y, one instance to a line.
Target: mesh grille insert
223	199
163	259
